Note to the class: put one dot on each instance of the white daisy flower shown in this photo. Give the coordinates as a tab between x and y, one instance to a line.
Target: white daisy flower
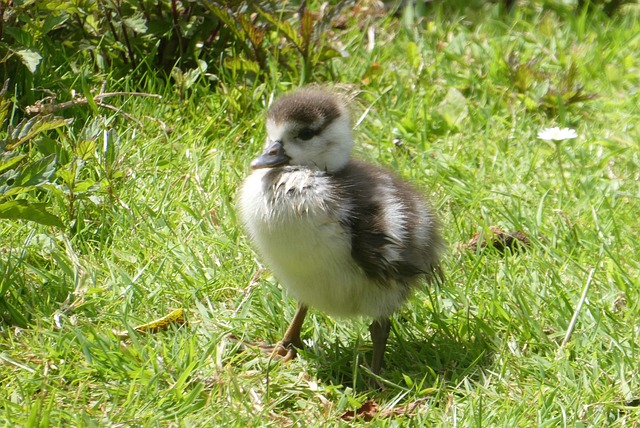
557	134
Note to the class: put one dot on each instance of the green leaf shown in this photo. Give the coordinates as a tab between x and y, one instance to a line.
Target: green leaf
53	22
24	210
29	58
86	186
19	35
92	24
409	16
85	149
88	94
109	148
408	380
325	53
453	109
67	175
28	176
136	23
15	315
4	109
457	47
10	159
29	128
286	29
413	55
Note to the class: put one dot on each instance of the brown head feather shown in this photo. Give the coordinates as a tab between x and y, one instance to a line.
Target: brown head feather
306	106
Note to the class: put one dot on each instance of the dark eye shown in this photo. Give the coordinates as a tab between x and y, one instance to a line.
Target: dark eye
306	134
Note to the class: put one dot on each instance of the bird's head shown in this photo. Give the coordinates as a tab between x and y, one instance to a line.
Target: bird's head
309	127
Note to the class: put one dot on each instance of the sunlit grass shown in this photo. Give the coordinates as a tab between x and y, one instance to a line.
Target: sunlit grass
483	349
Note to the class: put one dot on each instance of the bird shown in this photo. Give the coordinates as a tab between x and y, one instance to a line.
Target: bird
341	235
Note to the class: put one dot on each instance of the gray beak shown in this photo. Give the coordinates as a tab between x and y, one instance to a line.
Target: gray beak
273	155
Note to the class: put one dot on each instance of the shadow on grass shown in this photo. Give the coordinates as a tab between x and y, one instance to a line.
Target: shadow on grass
444	353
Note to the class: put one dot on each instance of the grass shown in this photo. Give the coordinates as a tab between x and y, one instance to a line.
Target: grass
484	349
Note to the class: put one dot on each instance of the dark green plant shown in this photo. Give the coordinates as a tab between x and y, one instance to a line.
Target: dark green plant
19	175
53	174
609	7
540	90
50	44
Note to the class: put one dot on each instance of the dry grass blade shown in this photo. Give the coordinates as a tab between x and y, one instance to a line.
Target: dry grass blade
176	317
370	409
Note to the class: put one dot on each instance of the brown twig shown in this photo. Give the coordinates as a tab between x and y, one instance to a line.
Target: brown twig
40	108
119	110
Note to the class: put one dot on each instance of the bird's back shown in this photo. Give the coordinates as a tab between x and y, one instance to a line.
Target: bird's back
394	233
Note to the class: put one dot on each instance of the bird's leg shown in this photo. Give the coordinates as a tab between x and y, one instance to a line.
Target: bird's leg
379	334
291	340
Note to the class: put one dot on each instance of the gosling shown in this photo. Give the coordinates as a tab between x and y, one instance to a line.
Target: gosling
342	236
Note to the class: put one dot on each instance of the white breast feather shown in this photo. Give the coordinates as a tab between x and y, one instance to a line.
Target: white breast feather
301	238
